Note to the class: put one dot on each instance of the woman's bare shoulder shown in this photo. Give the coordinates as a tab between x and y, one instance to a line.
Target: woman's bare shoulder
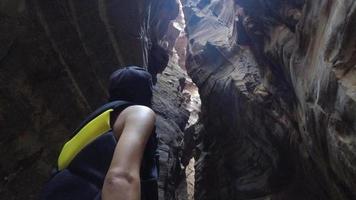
137	112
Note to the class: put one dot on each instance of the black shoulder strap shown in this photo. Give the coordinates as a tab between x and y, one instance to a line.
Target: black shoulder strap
118	106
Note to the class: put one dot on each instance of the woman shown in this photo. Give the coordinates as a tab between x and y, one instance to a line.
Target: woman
121	164
133	128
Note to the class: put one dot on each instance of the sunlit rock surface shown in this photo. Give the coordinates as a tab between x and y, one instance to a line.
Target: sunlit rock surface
55	59
277	81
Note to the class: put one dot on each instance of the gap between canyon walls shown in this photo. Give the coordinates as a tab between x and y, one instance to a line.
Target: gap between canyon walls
176	42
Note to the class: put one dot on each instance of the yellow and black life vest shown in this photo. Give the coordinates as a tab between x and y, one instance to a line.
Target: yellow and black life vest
91	128
85	159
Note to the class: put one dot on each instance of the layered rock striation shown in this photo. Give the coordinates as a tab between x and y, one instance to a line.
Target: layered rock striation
277	83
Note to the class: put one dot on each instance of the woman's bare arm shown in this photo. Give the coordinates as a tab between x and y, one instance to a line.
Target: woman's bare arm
133	128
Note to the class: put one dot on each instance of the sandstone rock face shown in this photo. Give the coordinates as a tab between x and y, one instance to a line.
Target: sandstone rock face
171	120
277	81
55	59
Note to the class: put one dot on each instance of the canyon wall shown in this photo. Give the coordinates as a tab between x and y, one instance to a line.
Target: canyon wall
55	60
277	80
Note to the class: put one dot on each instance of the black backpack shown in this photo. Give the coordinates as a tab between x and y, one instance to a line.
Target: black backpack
85	160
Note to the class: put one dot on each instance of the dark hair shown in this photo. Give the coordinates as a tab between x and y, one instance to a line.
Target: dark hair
133	84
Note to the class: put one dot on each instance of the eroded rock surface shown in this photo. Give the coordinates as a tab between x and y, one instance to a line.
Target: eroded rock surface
55	59
277	82
171	120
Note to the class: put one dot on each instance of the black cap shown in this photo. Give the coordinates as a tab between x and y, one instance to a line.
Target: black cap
133	84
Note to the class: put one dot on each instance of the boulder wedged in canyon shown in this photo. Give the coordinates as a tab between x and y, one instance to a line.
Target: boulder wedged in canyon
277	82
55	60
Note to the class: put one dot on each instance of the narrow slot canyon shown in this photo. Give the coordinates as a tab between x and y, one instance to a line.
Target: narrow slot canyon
254	99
